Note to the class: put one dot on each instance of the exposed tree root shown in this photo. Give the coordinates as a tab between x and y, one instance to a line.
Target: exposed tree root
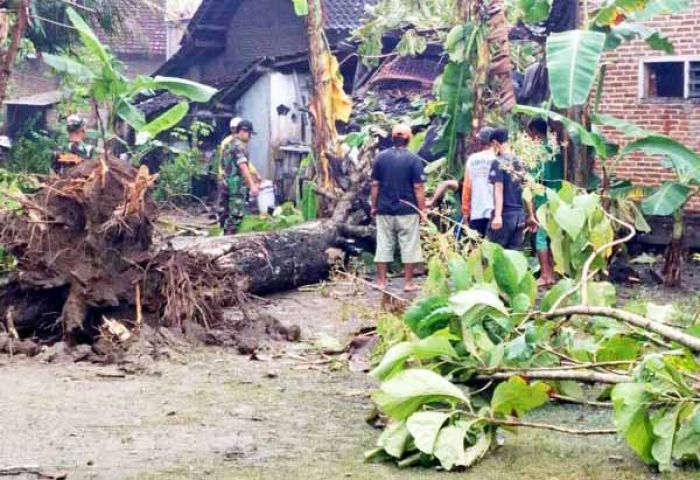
84	248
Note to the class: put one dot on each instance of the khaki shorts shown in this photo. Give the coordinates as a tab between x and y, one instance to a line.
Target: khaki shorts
405	229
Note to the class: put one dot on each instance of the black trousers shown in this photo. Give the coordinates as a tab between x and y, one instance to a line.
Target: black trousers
511	235
481	225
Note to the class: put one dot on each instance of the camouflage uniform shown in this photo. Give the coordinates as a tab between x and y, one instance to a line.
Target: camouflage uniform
72	154
235	154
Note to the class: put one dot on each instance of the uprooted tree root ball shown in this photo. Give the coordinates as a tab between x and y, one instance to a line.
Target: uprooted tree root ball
86	264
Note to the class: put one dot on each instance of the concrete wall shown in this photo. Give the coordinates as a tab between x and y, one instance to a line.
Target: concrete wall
254	105
259	105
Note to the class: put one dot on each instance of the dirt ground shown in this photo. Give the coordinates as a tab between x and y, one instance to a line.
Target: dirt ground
213	414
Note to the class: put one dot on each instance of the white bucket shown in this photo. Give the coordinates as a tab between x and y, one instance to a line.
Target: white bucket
266	197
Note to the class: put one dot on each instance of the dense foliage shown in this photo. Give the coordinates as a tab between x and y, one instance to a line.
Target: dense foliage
485	353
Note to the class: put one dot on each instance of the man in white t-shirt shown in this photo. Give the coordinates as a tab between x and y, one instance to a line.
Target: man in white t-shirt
477	191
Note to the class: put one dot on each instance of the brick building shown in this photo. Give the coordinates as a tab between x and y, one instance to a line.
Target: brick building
658	92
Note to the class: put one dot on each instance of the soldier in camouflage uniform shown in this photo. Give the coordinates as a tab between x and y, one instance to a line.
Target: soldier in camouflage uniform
76	150
238	182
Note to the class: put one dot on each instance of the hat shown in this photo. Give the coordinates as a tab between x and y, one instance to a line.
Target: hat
233	124
75	123
484	134
245	125
402	131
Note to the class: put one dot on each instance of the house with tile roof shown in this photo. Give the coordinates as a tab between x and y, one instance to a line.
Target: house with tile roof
256	53
139	41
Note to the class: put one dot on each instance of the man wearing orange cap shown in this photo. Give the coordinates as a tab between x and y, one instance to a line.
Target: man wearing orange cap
398	203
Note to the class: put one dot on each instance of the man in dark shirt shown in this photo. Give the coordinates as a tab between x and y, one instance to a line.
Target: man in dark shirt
398	202
508	175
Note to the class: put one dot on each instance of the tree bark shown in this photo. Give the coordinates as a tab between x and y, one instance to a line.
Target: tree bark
8	57
501	67
271	261
323	131
673	257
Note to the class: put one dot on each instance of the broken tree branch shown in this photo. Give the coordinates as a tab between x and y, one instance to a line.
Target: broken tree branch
665	331
586	376
554	428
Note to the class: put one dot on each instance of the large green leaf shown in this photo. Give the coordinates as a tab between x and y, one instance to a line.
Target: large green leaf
449	446
194	91
555	293
516	397
616	348
436	345
130	114
685	159
301	7
664	425
477	451
655	8
68	66
394	438
455	92
630	31
631	402
462	302
687	445
570	219
459	272
164	122
309	203
406	391
505	272
421	309
572	61
424	427
90	40
667	199
628	128
393	360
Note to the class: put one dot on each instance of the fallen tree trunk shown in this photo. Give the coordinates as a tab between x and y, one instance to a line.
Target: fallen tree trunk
270	261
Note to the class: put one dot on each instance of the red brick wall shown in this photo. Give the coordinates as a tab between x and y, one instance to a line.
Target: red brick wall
677	118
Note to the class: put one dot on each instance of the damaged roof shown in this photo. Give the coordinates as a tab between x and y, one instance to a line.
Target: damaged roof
209	27
344	15
418	71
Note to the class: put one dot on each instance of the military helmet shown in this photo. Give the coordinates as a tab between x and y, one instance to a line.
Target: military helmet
75	123
245	125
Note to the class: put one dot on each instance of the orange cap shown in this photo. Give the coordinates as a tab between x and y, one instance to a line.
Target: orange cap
402	131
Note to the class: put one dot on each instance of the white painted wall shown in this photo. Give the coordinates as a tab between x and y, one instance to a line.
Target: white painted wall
259	105
254	105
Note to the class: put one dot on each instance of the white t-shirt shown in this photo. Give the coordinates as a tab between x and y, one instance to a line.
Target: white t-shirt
479	166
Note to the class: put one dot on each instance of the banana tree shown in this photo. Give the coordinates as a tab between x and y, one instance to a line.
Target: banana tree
670	198
108	86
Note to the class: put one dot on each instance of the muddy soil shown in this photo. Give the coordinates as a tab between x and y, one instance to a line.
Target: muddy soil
213	414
